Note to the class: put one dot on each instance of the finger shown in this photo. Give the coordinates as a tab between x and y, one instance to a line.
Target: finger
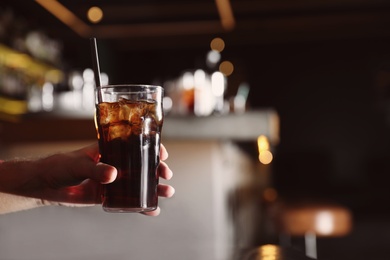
79	169
88	192
163	153
104	173
153	213
164	171
164	190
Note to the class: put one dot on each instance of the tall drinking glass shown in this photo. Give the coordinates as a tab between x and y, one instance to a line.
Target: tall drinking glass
129	121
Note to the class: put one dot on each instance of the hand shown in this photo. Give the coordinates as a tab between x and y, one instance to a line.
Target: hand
70	179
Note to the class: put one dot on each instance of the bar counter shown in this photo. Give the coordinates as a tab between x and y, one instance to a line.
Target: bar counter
79	125
197	223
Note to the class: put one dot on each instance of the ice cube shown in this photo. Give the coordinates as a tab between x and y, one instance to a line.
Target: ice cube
135	113
154	113
124	112
136	122
119	131
109	112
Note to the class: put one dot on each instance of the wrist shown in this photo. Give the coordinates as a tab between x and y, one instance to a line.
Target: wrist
18	176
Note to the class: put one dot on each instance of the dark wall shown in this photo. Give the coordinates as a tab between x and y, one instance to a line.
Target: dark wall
334	131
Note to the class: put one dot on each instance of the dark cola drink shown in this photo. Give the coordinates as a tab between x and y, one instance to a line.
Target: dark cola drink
129	140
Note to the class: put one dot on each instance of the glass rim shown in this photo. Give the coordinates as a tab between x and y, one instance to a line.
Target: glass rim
140	86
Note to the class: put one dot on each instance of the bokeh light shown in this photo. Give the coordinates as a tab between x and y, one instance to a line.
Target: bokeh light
265	157
188	80
268	252
324	222
217	44
262	143
226	67
213	57
217	84
95	14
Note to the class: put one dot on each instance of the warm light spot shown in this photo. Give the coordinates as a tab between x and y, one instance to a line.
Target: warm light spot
217	44
226	14
95	14
66	16
13	107
226	67
268	252
54	76
324	223
265	157
262	143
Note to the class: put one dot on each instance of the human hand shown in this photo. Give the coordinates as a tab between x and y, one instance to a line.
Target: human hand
70	179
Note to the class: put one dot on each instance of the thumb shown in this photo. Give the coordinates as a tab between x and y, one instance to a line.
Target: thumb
100	172
86	167
104	173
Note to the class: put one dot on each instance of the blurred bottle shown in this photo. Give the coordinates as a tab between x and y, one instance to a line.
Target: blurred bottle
197	93
238	103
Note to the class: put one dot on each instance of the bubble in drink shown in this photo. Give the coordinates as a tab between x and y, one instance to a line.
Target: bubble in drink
129	139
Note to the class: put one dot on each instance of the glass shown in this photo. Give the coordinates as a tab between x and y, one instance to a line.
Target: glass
129	121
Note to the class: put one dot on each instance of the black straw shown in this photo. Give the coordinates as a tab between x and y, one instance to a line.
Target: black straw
96	68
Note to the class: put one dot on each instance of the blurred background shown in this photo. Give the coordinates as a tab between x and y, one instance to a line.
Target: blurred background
322	66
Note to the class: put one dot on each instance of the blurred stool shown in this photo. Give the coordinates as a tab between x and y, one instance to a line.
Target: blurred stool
312	220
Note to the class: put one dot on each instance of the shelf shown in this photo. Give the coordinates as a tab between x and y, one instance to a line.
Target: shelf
28	65
241	127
